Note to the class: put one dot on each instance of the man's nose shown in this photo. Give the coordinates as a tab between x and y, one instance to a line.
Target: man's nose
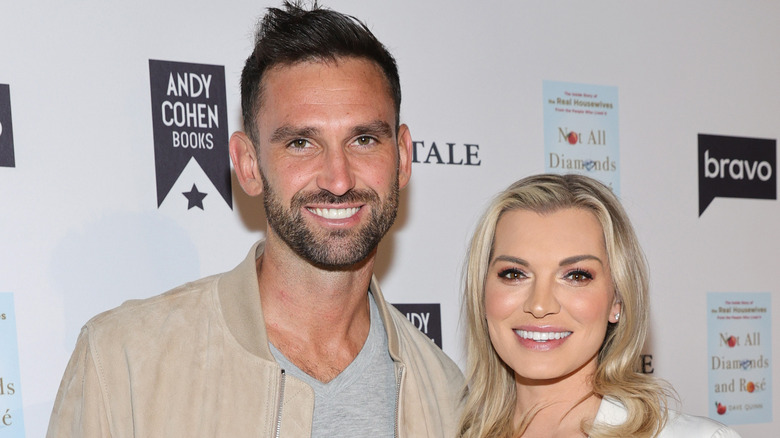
336	175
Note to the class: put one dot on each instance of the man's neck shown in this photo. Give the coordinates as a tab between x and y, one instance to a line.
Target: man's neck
318	318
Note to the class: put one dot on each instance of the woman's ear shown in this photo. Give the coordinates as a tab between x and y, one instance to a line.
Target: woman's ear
614	314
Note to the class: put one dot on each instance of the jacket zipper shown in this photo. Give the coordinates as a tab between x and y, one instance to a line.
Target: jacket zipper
397	400
279	412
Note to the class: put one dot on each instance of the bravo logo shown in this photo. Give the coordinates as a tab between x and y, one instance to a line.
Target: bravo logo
6	131
426	317
736	167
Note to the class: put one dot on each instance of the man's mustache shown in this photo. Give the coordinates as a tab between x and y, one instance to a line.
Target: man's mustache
325	197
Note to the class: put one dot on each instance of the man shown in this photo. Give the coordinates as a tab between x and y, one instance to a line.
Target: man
297	340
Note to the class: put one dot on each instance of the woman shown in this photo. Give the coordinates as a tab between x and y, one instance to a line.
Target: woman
556	303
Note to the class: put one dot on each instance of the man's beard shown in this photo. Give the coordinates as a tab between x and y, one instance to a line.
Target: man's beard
331	249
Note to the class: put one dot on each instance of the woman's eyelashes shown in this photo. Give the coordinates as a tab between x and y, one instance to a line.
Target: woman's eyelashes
578	276
511	274
575	276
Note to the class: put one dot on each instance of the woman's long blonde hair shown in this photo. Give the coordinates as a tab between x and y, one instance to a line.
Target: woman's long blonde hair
490	405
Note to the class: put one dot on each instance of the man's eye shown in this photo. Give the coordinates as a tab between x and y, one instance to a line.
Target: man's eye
299	143
364	140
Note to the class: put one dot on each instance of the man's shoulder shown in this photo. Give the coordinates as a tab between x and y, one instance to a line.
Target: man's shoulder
182	303
416	345
434	385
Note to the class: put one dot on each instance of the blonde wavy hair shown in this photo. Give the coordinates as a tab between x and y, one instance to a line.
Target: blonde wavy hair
490	405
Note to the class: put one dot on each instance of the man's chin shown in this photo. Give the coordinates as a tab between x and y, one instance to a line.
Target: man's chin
344	256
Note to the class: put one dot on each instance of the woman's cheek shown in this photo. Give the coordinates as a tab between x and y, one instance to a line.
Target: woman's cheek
500	301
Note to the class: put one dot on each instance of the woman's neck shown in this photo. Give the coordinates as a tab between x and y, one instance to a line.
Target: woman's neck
558	407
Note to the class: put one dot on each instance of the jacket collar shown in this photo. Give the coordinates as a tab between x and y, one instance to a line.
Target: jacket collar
611	412
239	302
393	344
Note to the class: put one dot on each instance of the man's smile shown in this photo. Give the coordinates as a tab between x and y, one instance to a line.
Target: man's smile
334	213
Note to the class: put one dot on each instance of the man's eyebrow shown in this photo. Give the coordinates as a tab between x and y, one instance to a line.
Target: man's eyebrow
286	132
578	258
510	259
377	127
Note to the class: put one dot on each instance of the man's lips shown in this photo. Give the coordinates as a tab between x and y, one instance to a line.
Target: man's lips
542	336
334	213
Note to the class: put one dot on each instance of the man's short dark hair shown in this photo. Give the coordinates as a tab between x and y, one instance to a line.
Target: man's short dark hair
293	34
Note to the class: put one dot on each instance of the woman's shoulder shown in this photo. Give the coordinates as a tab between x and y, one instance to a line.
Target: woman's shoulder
684	425
678	425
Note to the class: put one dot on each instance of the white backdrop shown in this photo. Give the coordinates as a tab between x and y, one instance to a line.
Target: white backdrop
81	231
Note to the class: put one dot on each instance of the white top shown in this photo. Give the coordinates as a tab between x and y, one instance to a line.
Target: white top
679	425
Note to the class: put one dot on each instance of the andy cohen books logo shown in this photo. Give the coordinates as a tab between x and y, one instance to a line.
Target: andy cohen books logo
189	118
736	167
426	317
6	131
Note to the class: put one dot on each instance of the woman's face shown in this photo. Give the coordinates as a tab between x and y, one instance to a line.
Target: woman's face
549	293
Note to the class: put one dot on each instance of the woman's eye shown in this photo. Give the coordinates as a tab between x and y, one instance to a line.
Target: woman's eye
579	276
511	274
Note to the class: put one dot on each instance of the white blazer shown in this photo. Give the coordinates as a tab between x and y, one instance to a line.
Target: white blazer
679	425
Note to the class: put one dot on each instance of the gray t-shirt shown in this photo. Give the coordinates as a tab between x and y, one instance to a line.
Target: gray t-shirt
361	400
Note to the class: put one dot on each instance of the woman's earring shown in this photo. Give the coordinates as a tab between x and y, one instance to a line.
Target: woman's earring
617	316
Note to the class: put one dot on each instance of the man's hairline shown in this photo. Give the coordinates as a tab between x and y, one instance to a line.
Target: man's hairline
251	131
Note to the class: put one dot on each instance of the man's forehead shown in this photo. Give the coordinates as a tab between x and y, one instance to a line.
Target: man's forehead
334	64
326	61
327	82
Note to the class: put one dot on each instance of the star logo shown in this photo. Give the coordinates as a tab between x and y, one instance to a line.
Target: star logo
194	198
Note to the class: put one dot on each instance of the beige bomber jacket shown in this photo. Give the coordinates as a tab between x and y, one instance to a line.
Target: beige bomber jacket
195	362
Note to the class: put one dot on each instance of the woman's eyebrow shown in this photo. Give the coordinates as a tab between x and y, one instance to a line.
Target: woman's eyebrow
510	259
578	258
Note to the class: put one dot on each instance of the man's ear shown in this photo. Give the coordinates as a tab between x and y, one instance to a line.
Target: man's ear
244	157
404	156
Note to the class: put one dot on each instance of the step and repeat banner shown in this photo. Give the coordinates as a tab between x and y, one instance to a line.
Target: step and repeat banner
115	181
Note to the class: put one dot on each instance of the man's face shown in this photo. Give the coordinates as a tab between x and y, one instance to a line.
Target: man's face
329	159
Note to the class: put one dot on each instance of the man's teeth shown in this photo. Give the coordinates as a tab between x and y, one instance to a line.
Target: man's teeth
334	213
541	336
